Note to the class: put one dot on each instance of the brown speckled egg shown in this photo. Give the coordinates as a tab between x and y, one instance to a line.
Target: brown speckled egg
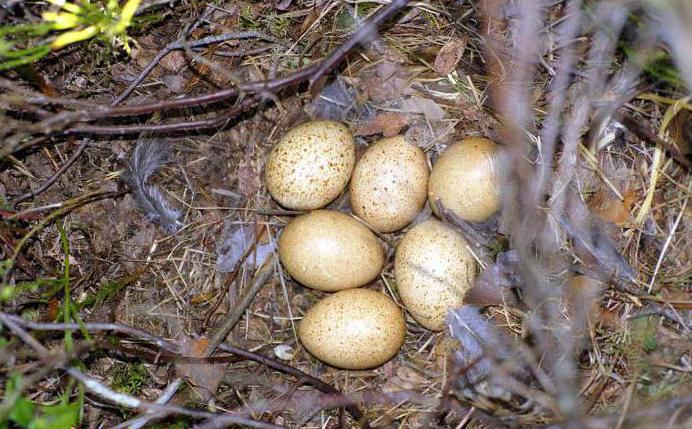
330	251
389	184
311	165
353	329
466	178
433	269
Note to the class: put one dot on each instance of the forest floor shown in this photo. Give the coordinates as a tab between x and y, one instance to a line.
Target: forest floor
91	254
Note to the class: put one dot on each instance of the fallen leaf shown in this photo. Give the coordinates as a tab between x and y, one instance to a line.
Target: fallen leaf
174	82
283	5
249	178
309	20
581	295
389	81
175	61
449	56
388	123
609	208
431	110
205	377
680	129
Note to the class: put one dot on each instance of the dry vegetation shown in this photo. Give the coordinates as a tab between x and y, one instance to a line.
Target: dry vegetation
135	297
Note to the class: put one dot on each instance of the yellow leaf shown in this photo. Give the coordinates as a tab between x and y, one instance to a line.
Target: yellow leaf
71	37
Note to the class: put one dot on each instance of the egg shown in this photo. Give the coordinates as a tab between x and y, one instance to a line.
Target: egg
466	179
433	268
353	329
389	184
329	251
311	165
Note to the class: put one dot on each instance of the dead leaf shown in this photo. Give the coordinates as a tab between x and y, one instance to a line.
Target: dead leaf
388	123
581	295
283	5
389	81
174	82
449	56
432	111
52	311
609	208
680	129
309	20
175	61
204	377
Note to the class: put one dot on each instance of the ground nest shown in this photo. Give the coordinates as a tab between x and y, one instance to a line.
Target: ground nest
110	308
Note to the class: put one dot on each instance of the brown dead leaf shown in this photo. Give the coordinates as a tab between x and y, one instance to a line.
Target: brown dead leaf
388	123
680	129
432	111
175	61
204	377
581	295
309	20
609	208
449	56
249	179
52	311
389	81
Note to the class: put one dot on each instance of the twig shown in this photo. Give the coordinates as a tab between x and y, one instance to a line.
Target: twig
212	122
368	30
75	203
229	281
302	377
166	396
89	111
646	135
56	175
261	277
180	44
126	400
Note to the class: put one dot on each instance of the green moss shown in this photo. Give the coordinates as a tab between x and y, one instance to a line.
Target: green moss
130	378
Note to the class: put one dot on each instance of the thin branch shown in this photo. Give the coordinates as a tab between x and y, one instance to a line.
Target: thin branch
56	175
261	277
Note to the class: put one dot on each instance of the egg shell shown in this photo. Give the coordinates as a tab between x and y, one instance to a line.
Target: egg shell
466	178
328	250
311	165
389	184
433	269
353	329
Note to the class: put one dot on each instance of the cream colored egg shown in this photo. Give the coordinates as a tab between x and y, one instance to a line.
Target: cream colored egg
389	184
311	165
433	269
330	251
466	178
353	329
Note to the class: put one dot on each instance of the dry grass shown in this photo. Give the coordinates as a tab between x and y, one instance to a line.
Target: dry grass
607	350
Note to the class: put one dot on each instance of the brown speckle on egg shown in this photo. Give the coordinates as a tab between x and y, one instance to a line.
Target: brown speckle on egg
311	165
353	329
389	184
433	268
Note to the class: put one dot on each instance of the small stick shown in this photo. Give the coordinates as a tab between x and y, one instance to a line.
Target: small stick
126	400
180	44
261	277
56	175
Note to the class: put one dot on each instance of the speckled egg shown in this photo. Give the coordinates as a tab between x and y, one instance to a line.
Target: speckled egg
389	184
328	250
311	165
353	329
466	178
433	268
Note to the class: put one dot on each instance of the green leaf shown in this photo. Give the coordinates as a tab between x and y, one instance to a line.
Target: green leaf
59	416
23	412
